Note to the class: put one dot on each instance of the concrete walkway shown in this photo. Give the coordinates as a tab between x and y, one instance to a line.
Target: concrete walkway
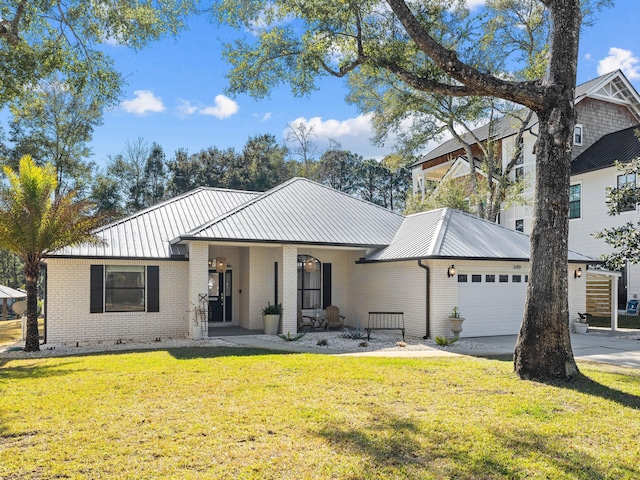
596	346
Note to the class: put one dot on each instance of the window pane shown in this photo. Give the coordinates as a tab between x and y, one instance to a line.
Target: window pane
309	282
462	278
490	278
504	278
574	201
124	288
516	278
627	181
476	278
520	225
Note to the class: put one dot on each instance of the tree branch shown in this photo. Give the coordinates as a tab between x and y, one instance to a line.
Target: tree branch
10	30
476	83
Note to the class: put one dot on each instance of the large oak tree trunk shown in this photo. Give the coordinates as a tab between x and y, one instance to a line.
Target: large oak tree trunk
543	350
32	271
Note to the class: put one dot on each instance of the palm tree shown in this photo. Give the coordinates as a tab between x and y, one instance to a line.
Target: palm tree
35	222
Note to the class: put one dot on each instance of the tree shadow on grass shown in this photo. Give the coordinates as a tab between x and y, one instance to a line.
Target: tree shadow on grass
21	372
391	445
584	384
188	353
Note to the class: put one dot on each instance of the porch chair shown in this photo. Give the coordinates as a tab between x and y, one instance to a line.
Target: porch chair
334	319
304	321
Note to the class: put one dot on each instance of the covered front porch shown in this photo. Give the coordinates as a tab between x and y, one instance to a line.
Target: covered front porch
231	283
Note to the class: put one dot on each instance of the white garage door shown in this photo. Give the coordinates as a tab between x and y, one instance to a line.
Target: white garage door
492	304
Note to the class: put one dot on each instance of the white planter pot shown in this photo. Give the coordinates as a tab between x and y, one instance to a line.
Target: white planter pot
456	326
196	332
271	323
581	327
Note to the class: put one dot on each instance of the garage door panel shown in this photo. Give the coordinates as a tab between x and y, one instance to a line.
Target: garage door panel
491	308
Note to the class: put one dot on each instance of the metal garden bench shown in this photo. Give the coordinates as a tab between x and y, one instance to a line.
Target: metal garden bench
385	321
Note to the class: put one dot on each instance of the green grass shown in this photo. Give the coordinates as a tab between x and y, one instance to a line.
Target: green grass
236	413
624	321
11	330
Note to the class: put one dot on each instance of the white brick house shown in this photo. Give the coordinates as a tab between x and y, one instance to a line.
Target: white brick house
157	275
604	106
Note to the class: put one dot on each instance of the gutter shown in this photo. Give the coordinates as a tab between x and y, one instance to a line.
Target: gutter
428	298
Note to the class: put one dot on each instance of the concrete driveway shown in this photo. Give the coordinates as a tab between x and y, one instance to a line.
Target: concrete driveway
596	346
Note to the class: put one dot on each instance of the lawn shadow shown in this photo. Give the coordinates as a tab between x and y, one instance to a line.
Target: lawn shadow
391	444
19	372
587	385
188	353
390	441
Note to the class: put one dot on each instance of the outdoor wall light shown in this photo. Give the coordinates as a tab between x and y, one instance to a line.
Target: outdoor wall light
221	264
451	271
577	273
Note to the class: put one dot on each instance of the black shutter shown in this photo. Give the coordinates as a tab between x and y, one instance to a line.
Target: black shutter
326	285
96	304
153	289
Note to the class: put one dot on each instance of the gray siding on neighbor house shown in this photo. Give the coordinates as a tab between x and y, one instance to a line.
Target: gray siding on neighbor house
146	234
302	211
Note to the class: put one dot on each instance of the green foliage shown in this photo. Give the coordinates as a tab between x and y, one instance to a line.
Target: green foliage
445	342
455	313
260	166
54	124
292	338
357	333
323	342
623	239
275	309
41	40
34	222
450	193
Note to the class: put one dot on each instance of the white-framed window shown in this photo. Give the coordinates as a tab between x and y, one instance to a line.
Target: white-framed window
124	288
578	134
628	180
309	282
575	197
520	225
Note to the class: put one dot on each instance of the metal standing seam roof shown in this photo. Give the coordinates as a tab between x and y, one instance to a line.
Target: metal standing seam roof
303	211
449	233
622	146
147	234
8	292
506	126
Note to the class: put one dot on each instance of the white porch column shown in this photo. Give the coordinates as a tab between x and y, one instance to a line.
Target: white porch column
614	303
198	278
289	288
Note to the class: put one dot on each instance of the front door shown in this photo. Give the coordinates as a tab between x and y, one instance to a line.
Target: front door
220	289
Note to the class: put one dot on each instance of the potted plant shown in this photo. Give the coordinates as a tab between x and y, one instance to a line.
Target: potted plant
456	322
271	317
580	324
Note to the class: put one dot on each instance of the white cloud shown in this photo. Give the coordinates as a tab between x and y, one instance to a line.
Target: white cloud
620	59
354	134
223	107
475	3
185	108
587	56
144	102
262	118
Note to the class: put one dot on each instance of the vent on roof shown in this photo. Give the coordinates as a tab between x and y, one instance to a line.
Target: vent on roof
178	251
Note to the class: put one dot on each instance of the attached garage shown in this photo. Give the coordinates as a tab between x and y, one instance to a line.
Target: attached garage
492	303
480	267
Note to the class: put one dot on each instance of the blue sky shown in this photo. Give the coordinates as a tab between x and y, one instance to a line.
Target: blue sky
175	92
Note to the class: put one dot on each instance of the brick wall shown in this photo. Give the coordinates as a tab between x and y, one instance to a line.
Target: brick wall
68	295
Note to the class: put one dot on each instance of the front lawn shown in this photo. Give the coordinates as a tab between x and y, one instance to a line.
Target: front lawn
239	413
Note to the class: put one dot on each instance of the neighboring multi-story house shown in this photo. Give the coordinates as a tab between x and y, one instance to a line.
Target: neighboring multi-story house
608	111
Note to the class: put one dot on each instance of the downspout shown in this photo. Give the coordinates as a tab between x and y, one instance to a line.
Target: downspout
428	299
